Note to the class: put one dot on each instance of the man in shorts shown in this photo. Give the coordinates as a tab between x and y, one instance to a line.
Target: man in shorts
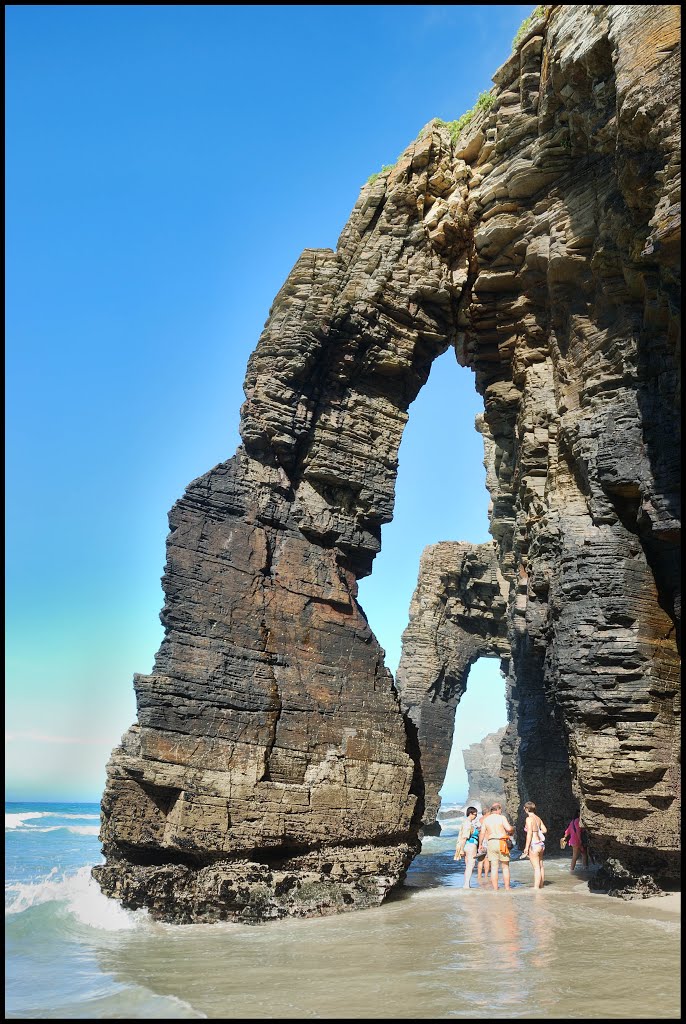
495	827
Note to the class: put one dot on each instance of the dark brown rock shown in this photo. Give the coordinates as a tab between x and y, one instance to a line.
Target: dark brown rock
542	245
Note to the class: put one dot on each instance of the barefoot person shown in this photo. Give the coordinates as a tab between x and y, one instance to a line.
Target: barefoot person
496	829
576	837
483	864
534	848
468	844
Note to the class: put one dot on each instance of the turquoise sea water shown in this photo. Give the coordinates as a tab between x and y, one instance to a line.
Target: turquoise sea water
57	921
434	952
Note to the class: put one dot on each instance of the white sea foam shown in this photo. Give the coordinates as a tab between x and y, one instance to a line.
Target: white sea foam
431	840
77	817
78	830
20	823
17	820
82	897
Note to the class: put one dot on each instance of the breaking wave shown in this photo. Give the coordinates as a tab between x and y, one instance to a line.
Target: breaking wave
77	893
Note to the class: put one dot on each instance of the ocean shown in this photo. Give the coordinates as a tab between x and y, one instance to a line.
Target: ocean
435	951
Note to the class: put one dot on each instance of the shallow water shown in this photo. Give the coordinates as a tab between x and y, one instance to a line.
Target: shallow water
436	951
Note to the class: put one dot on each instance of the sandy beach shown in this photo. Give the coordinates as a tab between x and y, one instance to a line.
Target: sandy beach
433	951
668	904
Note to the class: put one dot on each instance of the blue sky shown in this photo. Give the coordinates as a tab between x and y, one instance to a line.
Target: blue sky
165	167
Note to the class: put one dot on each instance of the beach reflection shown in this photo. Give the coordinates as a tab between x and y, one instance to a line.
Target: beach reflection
437	951
495	920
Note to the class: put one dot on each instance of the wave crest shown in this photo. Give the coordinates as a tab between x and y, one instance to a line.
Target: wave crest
17	820
81	896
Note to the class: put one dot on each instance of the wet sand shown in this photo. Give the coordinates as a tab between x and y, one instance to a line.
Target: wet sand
435	951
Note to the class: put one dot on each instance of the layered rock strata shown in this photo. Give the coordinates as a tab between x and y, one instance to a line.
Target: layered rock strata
457	615
271	770
483	763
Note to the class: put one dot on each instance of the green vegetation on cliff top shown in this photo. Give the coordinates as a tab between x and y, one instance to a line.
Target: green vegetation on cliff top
384	170
526	25
484	101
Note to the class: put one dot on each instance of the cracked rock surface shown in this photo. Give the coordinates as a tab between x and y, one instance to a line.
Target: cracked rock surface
274	768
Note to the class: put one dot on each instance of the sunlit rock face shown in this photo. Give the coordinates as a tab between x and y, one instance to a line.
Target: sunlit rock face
483	763
457	615
271	770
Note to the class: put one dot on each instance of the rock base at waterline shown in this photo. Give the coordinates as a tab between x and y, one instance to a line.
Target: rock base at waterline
313	884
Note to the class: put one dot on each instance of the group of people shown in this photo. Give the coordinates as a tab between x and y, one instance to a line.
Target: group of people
486	841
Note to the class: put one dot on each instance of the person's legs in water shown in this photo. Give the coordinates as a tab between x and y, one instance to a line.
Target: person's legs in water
469	859
494	858
536	863
575	855
506	873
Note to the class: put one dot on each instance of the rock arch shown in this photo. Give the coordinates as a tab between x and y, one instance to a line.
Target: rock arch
271	769
457	615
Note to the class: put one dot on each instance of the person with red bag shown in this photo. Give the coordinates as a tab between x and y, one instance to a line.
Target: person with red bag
497	831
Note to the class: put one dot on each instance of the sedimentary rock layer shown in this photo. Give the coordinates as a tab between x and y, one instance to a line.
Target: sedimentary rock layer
483	763
271	769
457	615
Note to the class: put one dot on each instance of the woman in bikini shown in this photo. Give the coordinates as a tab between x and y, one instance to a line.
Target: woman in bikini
534	848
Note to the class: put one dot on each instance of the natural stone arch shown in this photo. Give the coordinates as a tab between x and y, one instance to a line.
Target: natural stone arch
457	615
271	770
269	729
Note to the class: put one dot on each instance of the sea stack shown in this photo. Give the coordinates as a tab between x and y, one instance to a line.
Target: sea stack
275	768
483	763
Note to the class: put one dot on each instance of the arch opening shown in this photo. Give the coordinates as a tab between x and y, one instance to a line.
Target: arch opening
473	774
440	493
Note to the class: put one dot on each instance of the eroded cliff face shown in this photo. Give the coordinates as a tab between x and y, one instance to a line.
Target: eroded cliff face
461	611
271	770
483	763
457	615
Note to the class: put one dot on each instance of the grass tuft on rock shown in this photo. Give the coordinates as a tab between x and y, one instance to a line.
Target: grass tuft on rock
484	101
526	25
384	170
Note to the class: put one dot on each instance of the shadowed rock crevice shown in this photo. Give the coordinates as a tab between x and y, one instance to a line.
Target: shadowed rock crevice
542	245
